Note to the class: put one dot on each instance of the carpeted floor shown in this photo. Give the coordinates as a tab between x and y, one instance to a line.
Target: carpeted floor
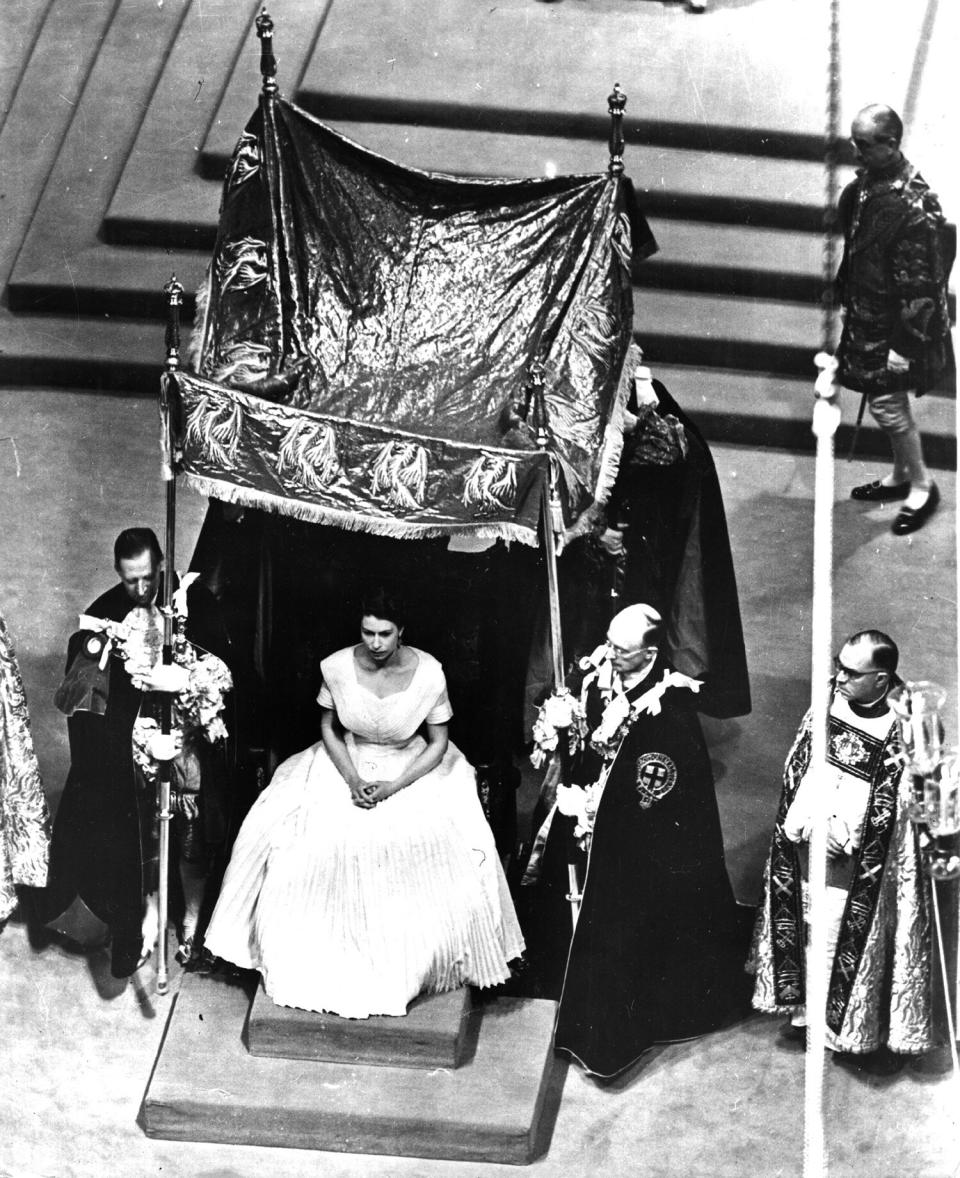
79	1046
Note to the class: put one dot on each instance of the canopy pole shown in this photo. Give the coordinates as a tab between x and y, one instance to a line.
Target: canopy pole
616	102
268	63
551	516
553	584
174	292
272	175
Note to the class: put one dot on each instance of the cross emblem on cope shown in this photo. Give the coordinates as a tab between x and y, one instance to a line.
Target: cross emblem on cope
656	777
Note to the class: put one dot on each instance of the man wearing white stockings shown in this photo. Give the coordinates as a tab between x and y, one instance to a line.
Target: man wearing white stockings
893	286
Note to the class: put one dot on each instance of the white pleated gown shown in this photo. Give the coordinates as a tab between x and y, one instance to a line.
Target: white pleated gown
355	912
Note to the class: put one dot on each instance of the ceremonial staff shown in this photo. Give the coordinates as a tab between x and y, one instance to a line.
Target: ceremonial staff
553	516
174	292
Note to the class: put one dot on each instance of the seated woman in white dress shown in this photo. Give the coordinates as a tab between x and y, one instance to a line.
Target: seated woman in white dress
366	873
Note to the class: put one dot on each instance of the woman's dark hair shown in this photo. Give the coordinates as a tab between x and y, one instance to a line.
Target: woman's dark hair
132	542
379	602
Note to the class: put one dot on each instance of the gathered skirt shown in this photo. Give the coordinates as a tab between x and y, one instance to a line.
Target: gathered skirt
356	912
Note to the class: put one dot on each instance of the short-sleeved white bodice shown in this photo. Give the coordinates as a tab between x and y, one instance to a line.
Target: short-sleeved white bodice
355	911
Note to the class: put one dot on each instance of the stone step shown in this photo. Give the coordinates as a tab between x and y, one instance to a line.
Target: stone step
708	330
106	280
735	261
55	39
160	172
729	405
21	27
89	352
673	327
754	409
723	260
105	121
548	68
497	1108
432	1034
671	181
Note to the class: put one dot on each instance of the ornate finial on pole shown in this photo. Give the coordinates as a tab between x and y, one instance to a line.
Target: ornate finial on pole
535	396
615	105
268	63
534	378
174	292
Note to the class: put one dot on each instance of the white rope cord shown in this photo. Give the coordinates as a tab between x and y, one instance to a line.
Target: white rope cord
956	538
826	418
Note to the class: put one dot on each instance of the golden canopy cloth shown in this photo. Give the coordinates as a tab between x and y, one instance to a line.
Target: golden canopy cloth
244	449
24	817
416	303
881	985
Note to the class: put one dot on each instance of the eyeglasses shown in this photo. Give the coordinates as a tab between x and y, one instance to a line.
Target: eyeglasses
866	144
623	652
849	673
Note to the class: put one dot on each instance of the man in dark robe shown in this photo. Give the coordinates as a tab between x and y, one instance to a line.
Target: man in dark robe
667	525
663	540
103	850
657	951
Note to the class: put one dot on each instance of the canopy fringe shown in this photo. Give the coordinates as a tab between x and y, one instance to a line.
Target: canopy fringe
351	522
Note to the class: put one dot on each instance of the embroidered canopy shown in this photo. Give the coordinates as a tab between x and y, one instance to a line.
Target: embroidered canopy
404	352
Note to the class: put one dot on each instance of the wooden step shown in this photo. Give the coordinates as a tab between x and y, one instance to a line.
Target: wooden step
432	1034
498	1108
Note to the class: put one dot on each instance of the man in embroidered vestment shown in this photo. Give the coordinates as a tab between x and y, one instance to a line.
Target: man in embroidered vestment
103	850
656	950
893	286
878	927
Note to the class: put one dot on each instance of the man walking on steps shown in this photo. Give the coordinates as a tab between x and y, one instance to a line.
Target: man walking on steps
893	286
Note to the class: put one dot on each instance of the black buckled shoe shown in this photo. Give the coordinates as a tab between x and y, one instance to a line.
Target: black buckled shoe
909	519
876	492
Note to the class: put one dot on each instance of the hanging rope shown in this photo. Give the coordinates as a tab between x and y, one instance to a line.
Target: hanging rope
826	418
832	149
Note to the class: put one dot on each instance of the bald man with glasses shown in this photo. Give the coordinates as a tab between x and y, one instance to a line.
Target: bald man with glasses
878	931
658	949
892	283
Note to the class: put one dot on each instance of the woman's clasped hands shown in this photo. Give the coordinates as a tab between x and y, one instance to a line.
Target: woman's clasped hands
366	794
